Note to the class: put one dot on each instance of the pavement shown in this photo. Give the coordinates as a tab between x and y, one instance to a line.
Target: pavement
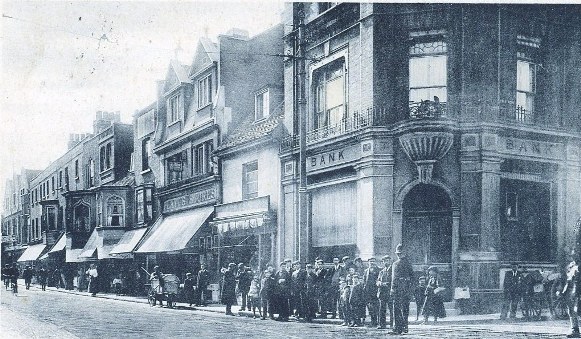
455	318
17	311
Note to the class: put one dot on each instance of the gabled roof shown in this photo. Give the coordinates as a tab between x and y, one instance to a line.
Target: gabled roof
207	52
181	71
250	131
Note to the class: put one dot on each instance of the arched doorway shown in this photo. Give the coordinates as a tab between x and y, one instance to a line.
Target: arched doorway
427	225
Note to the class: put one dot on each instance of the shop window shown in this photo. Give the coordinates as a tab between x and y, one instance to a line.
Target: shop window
173	107
511	206
204	91
115	211
250	180
145	153
262	105
428	72
329	94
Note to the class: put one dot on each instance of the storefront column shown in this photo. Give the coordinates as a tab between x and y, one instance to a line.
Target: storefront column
455	241
375	200
490	212
569	204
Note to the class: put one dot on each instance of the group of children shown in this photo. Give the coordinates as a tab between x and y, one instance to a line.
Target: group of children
352	301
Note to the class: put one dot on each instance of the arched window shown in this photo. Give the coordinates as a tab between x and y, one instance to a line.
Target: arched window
82	214
115	211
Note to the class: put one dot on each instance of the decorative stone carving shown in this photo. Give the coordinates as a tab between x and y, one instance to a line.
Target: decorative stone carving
425	149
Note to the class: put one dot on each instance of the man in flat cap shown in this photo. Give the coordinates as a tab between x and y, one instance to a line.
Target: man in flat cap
370	289
321	286
383	288
298	277
309	295
402	274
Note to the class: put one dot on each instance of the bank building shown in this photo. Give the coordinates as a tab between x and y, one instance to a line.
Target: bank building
454	129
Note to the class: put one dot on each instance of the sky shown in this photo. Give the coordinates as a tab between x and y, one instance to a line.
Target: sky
61	61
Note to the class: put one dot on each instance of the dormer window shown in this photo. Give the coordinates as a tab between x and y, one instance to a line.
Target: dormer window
204	91
173	109
262	105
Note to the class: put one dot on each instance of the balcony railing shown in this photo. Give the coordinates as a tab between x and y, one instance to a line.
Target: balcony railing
372	116
508	113
427	109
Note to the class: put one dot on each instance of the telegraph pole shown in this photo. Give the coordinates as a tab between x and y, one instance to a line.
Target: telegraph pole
301	102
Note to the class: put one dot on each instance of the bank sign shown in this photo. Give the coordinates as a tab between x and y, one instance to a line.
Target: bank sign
332	158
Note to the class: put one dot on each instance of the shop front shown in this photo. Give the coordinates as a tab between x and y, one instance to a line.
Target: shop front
246	233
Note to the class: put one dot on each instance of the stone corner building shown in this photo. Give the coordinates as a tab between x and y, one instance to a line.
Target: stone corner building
454	129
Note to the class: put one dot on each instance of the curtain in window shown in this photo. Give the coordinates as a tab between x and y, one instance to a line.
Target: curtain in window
334	215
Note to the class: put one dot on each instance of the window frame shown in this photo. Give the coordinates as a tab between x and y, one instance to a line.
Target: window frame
438	51
145	153
321	77
248	170
204	91
112	202
174	111
260	106
526	110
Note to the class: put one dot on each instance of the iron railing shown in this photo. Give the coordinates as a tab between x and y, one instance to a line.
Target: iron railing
357	120
427	109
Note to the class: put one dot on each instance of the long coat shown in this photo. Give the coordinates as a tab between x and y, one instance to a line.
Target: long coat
384	282
433	304
402	275
228	287
370	282
357	301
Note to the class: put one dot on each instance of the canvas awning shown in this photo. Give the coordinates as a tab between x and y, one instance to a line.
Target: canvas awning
72	255
91	246
248	216
128	242
173	232
32	253
60	244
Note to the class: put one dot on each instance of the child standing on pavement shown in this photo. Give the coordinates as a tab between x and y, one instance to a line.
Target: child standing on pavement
266	291
344	293
254	296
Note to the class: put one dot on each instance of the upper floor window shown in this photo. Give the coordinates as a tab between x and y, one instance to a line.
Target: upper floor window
262	105
203	158
53	186
175	166
428	72
204	91
145	153
105	157
76	168
145	124
144	204
91	173
329	92
81	216
173	109
60	179
250	180
50	218
526	77
66	178
115	211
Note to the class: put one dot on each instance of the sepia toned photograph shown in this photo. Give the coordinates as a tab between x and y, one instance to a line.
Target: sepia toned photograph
272	169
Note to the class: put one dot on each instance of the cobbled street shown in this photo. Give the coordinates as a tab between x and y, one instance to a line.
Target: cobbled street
53	314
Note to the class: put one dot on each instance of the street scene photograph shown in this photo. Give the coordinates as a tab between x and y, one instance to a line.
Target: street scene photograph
271	169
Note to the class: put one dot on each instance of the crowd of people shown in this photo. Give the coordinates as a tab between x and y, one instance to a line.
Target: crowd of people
347	290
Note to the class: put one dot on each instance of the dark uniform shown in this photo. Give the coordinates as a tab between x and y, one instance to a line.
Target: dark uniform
402	274
512	292
370	288
383	288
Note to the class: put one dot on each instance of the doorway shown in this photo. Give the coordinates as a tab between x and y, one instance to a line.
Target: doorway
427	225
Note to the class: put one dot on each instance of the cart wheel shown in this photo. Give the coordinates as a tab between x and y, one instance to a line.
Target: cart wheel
151	299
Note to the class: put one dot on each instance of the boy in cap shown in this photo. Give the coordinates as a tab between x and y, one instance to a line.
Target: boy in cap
357	302
310	294
344	309
266	294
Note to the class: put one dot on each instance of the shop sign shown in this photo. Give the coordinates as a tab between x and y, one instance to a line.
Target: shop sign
332	158
532	148
190	200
